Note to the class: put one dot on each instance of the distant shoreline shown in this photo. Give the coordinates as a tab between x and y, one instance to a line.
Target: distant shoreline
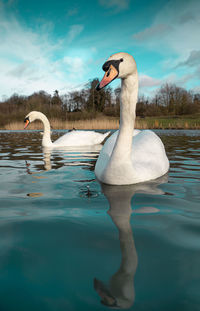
106	123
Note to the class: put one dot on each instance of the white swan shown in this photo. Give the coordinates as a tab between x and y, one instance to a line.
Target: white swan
129	156
70	139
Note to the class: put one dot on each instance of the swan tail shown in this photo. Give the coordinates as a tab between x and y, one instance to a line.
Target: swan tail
101	137
106	134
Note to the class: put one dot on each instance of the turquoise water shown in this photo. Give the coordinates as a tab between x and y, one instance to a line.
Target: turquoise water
69	243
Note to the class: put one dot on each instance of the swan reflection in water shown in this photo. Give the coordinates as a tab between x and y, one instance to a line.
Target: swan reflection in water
83	156
73	156
70	156
120	292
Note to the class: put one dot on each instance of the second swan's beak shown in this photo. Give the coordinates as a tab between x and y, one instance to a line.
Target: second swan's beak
109	76
26	121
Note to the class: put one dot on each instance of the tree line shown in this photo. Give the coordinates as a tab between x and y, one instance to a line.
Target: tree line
87	103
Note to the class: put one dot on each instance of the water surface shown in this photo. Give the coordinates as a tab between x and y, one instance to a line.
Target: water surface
69	243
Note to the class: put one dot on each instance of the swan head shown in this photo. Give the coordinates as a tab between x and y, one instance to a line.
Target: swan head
119	65
32	116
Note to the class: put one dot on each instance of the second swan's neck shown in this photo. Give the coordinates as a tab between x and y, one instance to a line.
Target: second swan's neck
46	140
129	93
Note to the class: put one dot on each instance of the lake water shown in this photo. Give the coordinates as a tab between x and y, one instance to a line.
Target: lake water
69	243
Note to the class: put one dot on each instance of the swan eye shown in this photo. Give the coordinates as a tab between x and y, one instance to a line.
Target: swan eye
121	60
26	119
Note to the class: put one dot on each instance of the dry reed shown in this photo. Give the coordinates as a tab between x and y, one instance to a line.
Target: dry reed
108	123
95	124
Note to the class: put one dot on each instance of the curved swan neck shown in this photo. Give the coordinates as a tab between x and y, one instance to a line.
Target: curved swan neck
129	93
46	140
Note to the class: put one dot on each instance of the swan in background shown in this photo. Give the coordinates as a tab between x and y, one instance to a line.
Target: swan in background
129	156
72	138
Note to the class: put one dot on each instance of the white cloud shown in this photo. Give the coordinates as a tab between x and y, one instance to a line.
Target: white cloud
181	81
74	66
196	89
174	34
74	31
147	81
148	85
154	31
72	12
192	60
29	61
175	27
116	4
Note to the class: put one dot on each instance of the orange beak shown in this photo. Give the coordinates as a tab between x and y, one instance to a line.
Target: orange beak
26	123
109	76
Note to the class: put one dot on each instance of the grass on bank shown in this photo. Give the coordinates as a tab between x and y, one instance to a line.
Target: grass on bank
113	123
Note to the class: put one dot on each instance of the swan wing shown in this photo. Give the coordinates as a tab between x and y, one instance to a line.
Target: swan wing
81	138
148	156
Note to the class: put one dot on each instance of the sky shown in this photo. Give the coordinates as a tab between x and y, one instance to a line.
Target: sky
62	45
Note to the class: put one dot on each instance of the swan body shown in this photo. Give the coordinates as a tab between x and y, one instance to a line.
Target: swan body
70	139
129	156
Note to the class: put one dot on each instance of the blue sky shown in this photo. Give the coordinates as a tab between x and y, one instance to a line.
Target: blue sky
48	45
